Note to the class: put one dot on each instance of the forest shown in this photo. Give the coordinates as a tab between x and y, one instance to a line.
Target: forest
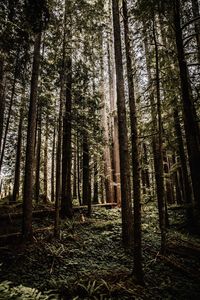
99	149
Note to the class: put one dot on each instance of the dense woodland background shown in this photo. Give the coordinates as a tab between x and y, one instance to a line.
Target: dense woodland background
99	108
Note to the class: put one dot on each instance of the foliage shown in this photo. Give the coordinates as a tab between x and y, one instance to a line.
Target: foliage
89	262
8	292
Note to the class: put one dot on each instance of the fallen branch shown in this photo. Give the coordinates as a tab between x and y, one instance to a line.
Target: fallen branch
12	238
50	211
184	248
176	265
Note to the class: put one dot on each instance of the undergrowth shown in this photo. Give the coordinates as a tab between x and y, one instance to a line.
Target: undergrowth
89	262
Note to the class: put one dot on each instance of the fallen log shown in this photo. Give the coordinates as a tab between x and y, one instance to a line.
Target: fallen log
176	265
16	237
50	212
13	216
184	248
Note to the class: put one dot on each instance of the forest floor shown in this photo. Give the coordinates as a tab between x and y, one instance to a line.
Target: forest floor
89	262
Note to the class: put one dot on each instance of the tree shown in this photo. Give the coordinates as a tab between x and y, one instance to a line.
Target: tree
122	131
137	249
29	166
37	22
190	122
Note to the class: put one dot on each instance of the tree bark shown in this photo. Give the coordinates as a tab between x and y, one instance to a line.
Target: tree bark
190	123
195	10
29	165
53	167
137	246
95	187
2	98
86	171
114	121
127	224
75	174
159	171
38	153
59	138
66	199
9	108
46	161
78	170
187	190
18	153
106	153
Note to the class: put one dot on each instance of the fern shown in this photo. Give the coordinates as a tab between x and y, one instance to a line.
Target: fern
7	292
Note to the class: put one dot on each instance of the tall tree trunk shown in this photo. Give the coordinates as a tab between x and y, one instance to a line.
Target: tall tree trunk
53	167
127	223
18	153
78	170
89	212
75	174
38	153
86	171
190	123
187	190
168	182
46	161
146	169
95	187
28	180
159	171
66	199
107	153
10	108
102	189
59	138
114	121
195	10
58	171
2	98
137	246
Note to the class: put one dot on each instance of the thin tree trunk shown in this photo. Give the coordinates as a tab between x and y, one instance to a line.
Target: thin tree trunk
46	162
38	154
58	171
107	153
75	174
195	10
127	220
89	212
159	171
86	171
10	108
78	170
66	200
2	98
59	138
114	121
95	187
137	246
190	123
102	189
146	169
168	183
187	190
53	167
29	165
18	153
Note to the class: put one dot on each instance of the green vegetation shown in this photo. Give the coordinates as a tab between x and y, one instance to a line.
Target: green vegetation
88	262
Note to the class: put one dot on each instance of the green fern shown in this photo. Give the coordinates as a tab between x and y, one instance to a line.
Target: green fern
7	292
